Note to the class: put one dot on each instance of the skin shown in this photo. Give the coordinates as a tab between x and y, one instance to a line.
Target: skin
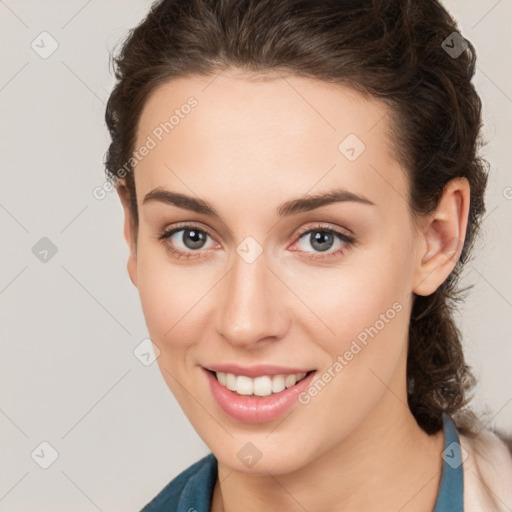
248	146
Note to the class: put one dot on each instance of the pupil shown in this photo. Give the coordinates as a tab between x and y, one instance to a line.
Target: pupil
197	238
322	240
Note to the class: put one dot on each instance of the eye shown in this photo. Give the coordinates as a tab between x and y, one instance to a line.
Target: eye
322	239
193	241
191	238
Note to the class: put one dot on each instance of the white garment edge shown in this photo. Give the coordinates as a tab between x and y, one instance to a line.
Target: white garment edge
487	473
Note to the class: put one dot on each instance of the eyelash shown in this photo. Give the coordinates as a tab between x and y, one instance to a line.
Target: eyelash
349	241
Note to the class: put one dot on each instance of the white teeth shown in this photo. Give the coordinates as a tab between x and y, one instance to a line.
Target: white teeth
290	380
259	386
243	385
278	383
230	381
222	378
262	386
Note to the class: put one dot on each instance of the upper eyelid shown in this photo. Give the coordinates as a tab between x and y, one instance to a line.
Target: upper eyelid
326	227
297	235
192	225
348	241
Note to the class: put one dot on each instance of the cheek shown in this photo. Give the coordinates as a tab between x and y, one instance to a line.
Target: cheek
366	305
368	310
170	297
355	296
168	294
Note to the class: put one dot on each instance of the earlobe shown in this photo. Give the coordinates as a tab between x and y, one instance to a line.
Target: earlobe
442	238
129	232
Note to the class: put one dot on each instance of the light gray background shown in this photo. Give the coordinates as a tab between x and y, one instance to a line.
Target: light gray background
69	326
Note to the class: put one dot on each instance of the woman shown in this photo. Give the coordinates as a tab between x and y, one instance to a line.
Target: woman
301	188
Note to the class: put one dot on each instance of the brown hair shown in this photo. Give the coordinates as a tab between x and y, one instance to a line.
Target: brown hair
390	49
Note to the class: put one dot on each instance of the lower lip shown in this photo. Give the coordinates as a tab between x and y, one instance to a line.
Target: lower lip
252	409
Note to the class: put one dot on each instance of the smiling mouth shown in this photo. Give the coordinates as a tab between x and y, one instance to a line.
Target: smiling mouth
264	385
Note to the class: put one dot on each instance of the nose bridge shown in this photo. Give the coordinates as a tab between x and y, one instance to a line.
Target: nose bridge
249	311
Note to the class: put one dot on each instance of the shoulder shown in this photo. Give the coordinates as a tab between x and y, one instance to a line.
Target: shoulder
487	469
195	482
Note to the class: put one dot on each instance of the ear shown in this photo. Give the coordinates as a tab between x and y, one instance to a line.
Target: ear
441	237
130	234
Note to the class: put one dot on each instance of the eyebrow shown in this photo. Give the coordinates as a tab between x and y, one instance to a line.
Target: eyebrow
294	206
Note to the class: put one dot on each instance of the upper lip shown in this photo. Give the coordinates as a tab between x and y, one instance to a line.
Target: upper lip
256	370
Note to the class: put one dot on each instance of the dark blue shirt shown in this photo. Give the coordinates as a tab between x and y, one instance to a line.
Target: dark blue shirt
192	490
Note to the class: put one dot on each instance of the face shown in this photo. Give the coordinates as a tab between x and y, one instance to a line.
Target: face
249	277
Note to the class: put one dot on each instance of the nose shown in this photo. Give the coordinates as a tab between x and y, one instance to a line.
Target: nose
253	307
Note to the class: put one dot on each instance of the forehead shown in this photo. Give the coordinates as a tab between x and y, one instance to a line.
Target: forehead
236	104
287	132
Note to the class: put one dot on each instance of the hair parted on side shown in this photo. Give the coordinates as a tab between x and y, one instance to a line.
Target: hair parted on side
389	49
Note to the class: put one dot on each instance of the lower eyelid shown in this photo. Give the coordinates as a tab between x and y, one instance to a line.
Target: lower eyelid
347	241
169	234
